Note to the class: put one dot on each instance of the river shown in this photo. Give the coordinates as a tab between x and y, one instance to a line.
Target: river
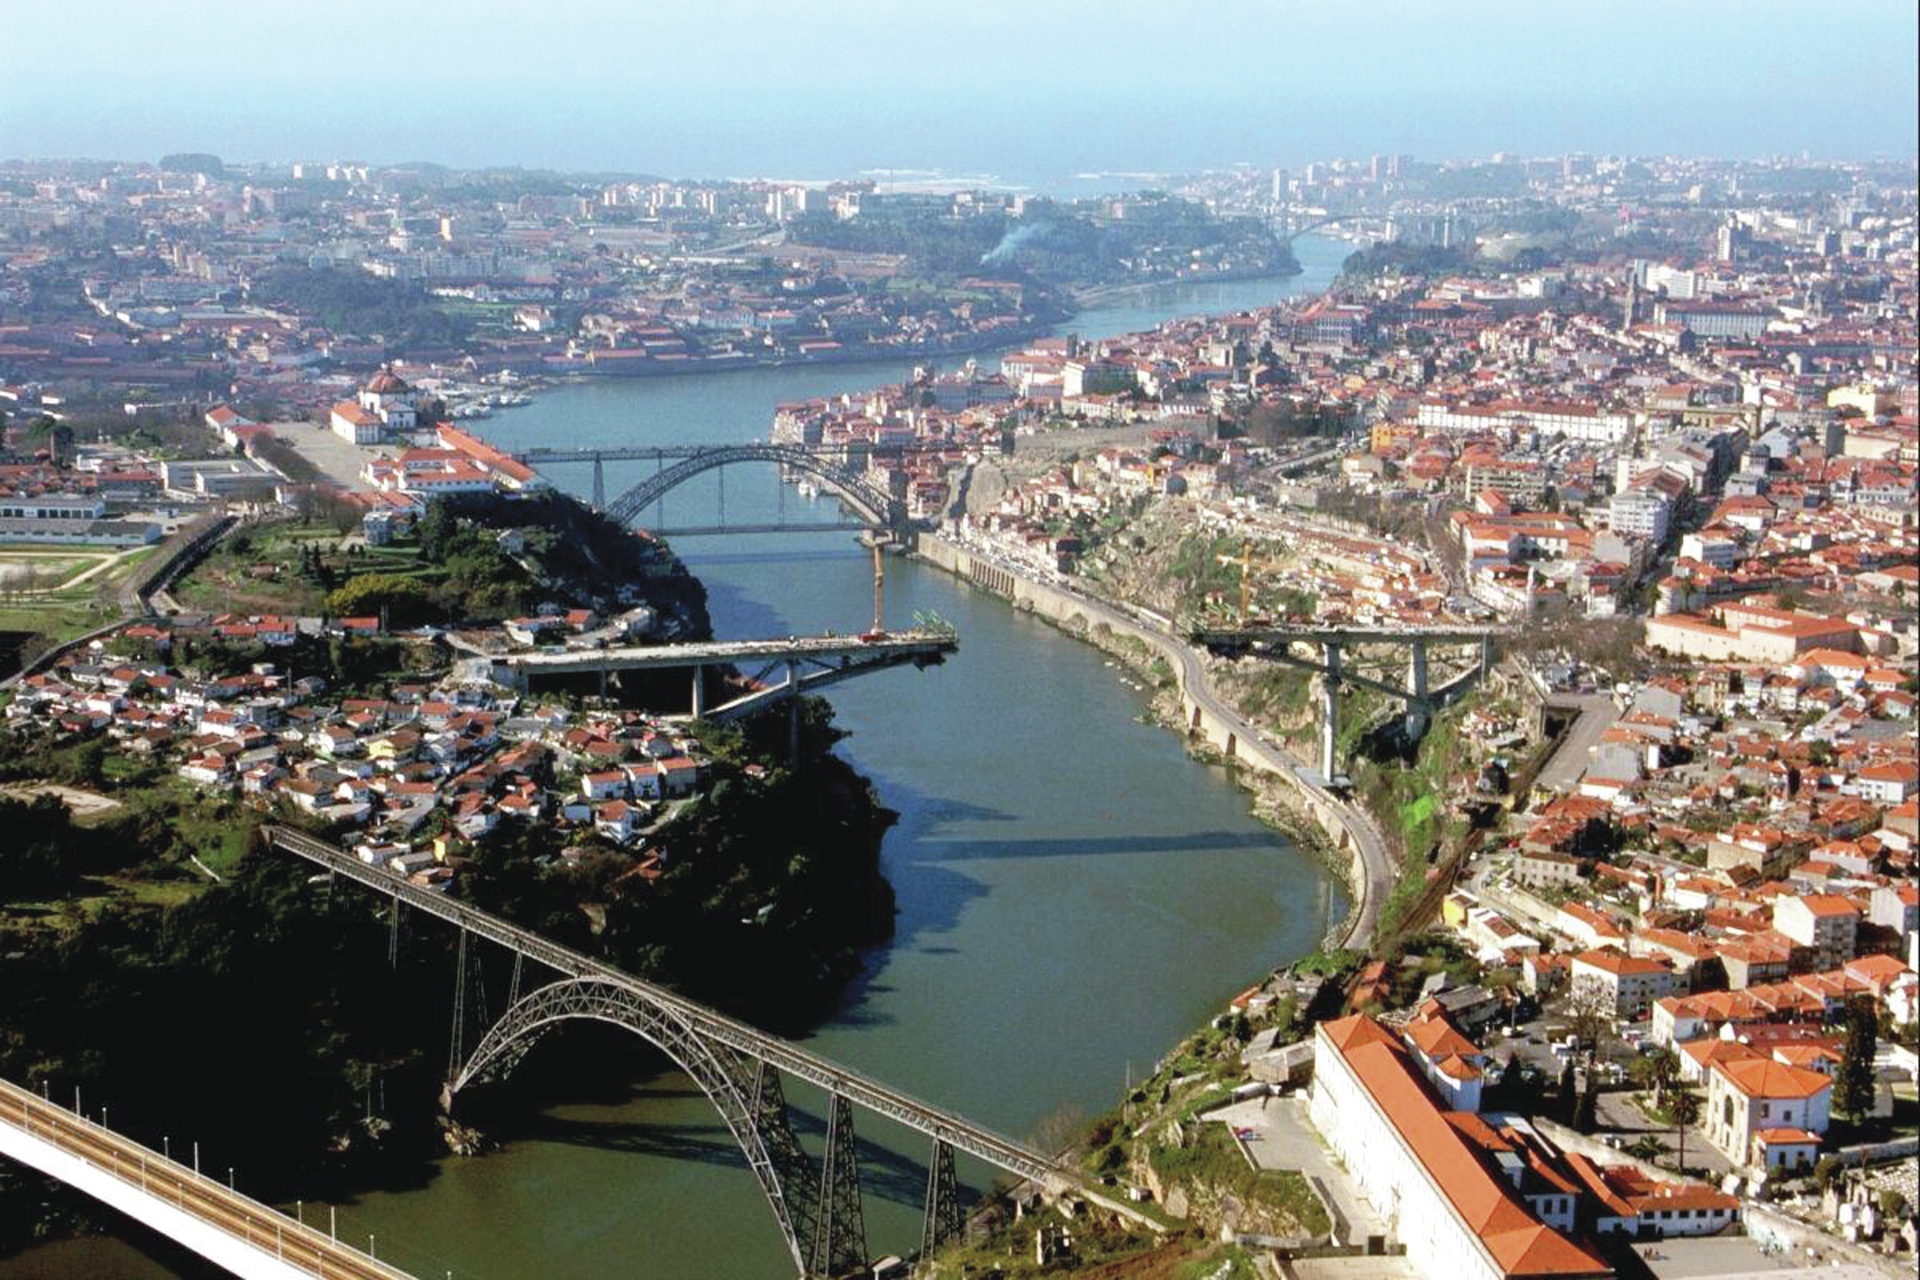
1075	893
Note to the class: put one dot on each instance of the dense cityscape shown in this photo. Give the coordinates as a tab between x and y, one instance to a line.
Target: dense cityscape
1414	669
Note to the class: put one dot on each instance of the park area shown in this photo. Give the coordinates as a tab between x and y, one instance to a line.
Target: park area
450	571
290	568
64	591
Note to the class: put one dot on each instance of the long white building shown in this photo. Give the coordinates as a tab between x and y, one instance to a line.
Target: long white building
1438	1193
1575	421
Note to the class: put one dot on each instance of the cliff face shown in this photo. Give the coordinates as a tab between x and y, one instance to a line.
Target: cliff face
586	560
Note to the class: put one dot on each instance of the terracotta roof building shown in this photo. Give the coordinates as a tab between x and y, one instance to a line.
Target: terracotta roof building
1456	1211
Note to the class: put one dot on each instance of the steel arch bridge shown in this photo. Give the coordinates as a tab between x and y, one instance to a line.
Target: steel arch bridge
875	508
815	1202
746	1093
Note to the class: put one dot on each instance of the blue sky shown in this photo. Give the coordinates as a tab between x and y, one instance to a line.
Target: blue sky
817	87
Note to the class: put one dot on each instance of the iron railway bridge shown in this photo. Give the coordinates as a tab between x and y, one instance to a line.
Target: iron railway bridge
740	1069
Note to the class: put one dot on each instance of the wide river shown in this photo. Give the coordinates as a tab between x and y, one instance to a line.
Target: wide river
1075	893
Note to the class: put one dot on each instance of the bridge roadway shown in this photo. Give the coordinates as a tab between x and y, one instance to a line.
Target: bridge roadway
792	649
775	526
236	1232
1247	636
956	1131
661	453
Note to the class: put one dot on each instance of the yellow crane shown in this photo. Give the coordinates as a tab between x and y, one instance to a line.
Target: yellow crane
1247	565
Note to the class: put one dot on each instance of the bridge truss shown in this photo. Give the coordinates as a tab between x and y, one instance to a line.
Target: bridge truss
740	1068
873	507
1421	698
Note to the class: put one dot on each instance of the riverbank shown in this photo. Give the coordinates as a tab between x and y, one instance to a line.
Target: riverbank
1090	300
771	898
1058	858
1203	716
1103	294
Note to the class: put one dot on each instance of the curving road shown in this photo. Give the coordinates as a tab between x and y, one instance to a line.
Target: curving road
1377	870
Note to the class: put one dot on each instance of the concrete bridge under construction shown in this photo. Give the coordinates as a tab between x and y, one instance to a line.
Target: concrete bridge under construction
815	1202
806	664
1421	698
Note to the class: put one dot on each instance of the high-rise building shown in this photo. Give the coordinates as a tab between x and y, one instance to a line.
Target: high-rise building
1730	241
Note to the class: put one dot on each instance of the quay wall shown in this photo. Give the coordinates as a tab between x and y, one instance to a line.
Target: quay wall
1204	718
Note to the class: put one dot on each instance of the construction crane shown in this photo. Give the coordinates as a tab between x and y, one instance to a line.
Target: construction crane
879	629
1247	565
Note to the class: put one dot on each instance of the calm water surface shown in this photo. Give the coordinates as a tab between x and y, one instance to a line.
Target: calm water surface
1075	893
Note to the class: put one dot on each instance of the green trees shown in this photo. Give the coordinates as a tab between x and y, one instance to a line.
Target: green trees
1853	1087
1655	1073
403	599
1586	1114
354	302
37	859
1684	1107
252	1016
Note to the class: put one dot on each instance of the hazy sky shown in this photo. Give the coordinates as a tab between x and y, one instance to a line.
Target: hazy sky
813	88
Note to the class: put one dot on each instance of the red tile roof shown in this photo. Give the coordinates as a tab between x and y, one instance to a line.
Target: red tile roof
1764	1078
1520	1244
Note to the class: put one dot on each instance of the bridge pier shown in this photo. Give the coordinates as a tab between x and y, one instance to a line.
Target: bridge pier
942	1220
1419	709
699	691
793	717
1330	715
839	1231
599	483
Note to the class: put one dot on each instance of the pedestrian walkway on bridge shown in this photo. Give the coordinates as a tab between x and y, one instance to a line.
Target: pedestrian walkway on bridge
231	1230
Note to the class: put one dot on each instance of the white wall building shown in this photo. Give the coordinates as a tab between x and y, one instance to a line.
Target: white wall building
1456	1217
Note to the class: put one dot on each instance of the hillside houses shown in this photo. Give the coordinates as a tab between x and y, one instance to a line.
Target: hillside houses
400	768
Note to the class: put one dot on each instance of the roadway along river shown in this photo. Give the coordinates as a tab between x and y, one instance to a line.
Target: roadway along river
1075	893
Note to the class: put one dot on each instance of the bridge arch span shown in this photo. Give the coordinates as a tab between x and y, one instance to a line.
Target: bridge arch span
874	507
1328	221
747	1093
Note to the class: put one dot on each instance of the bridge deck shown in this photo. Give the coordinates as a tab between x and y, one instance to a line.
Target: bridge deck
804	648
661	453
962	1134
238	1233
771	526
1227	637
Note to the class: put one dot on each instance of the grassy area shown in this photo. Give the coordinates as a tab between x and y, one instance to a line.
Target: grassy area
1214	1159
265	570
1410	803
95	895
64	612
1229	1262
218	831
500	313
58	621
